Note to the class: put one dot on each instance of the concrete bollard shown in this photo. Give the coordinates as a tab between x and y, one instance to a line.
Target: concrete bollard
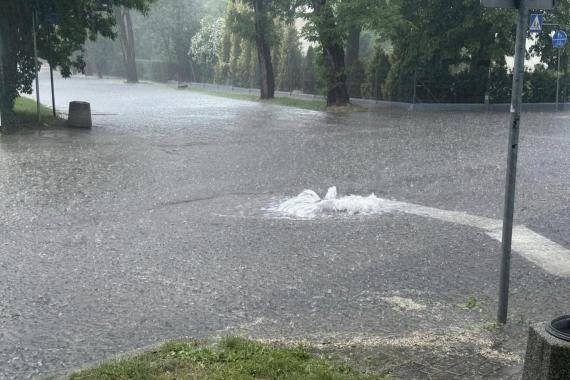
547	356
79	115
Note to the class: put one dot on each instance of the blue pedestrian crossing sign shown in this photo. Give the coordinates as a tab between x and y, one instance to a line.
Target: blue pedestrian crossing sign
536	23
559	39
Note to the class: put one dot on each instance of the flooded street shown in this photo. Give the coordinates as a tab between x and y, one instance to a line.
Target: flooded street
154	225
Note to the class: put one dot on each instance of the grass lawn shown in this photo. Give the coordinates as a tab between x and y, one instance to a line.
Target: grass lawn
231	358
315	105
25	113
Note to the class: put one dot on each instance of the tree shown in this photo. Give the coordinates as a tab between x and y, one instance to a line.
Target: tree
355	68
543	43
323	28
165	34
376	73
262	25
245	76
310	72
206	45
235	57
328	24
127	39
222	72
353	44
253	22
277	44
444	66
102	56
78	21
291	61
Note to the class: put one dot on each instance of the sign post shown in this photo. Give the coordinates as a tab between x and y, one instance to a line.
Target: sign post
52	19
516	103
559	40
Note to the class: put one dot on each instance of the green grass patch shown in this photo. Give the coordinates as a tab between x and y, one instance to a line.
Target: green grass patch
228	95
231	358
472	303
315	105
25	114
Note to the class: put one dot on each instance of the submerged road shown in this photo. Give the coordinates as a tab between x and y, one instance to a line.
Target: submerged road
152	226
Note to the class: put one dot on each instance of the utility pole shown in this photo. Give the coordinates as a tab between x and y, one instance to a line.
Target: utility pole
34	25
516	103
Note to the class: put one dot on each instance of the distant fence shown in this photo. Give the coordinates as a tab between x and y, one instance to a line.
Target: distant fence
372	103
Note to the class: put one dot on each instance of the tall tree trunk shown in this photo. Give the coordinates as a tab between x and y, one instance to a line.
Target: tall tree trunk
337	94
126	36
333	52
267	78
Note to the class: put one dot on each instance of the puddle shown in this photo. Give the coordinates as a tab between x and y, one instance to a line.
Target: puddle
309	205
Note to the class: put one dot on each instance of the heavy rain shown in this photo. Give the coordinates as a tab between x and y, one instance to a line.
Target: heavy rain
255	189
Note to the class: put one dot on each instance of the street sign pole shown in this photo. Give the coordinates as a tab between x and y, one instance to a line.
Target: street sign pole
559	40
34	24
516	102
558	79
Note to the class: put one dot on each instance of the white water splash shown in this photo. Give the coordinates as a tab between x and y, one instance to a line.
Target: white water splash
309	205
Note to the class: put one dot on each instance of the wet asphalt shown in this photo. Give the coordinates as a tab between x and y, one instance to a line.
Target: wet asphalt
151	226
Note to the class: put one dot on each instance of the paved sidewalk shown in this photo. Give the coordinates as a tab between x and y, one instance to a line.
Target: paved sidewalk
441	342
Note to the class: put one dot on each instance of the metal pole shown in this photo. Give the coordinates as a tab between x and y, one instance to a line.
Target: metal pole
516	102
558	79
51	70
34	21
377	89
415	87
2	79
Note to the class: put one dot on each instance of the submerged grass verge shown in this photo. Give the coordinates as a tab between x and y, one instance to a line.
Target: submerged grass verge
230	358
25	115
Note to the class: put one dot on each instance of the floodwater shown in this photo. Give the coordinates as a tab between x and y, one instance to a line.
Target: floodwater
154	225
